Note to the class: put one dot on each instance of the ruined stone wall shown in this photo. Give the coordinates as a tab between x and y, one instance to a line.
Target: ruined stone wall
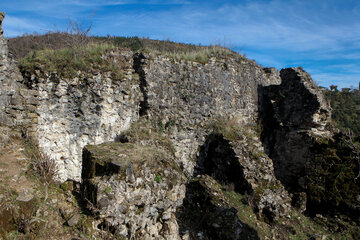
293	113
187	96
84	110
65	114
9	76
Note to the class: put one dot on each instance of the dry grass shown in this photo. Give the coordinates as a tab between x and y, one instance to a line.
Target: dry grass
67	61
21	47
45	167
199	54
151	132
227	127
40	163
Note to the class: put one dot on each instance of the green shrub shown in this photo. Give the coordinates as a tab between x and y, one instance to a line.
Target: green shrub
158	178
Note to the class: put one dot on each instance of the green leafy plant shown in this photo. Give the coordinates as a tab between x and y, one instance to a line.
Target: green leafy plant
107	189
158	178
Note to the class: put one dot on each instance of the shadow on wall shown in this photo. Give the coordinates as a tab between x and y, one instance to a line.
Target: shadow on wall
204	213
285	113
218	160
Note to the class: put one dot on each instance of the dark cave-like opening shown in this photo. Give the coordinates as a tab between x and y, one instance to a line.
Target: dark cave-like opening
218	160
203	214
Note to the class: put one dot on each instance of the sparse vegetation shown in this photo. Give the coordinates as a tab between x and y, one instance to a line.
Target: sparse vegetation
158	178
107	189
32	218
232	130
346	110
67	52
295	226
229	128
68	61
199	54
40	163
145	130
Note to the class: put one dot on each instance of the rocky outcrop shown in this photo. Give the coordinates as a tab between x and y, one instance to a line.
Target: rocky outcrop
313	160
238	162
9	77
168	129
293	112
84	110
182	98
134	187
66	113
207	214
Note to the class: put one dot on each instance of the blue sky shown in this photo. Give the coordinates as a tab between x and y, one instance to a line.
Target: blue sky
323	36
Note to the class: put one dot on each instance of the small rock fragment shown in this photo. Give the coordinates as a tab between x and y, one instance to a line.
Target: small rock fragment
74	220
25	195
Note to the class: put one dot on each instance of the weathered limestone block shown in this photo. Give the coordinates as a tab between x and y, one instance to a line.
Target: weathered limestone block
303	105
238	162
316	162
134	188
88	109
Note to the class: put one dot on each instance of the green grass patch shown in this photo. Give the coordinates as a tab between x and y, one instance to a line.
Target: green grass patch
68	61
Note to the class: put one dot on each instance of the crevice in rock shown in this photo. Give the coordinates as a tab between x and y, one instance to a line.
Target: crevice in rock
286	114
206	215
138	67
267	121
218	160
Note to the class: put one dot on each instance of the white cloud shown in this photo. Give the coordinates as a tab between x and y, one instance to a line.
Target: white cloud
15	26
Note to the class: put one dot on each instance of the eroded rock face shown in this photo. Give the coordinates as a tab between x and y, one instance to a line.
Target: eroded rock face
135	189
64	114
218	159
186	96
206	213
240	164
315	162
293	112
9	77
84	110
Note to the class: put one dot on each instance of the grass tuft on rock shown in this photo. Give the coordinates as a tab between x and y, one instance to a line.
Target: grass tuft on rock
68	61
